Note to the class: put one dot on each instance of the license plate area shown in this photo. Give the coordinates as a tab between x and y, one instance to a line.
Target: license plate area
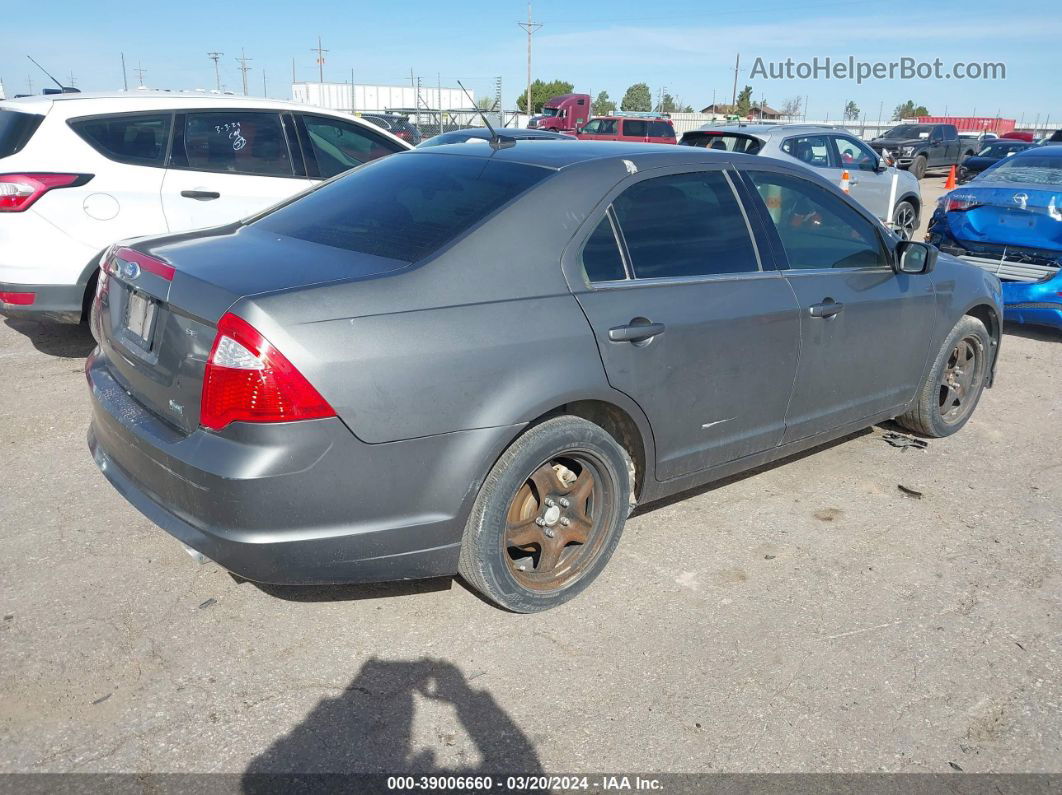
141	311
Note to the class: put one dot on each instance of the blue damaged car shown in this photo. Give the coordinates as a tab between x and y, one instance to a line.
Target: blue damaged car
1008	221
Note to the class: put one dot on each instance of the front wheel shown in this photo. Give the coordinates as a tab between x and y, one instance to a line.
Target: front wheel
905	220
918	167
548	517
955	382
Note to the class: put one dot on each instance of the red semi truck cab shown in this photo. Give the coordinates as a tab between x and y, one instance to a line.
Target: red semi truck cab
566	113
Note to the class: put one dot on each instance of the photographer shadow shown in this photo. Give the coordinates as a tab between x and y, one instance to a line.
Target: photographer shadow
369	729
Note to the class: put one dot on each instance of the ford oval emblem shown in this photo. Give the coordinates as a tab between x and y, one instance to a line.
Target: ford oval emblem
131	270
1020	199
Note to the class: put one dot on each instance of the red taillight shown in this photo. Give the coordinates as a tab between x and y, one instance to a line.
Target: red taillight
19	191
18	299
248	380
958	203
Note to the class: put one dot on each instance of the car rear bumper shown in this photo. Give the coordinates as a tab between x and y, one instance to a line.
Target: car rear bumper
58	302
297	503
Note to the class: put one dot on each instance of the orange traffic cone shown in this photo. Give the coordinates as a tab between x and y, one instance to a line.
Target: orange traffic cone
950	184
845	180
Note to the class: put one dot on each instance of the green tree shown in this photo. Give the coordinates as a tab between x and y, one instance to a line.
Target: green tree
485	103
909	110
668	104
637	98
851	111
541	92
603	105
744	102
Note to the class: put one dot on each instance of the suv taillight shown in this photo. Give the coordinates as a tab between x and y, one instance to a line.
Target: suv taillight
19	191
248	380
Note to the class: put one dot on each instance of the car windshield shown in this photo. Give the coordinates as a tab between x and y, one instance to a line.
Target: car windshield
907	131
551	111
402	207
999	150
1032	170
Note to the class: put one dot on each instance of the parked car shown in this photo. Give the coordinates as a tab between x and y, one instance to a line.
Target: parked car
992	153
918	147
632	127
977	140
1056	138
1019	135
396	124
1008	221
371	382
483	135
79	171
564	113
830	152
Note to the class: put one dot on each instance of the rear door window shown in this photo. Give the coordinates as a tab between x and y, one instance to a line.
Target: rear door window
661	129
403	207
684	225
339	146
635	128
136	139
16	129
237	142
813	150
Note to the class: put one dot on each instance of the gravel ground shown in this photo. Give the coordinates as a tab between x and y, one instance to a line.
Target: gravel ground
807	617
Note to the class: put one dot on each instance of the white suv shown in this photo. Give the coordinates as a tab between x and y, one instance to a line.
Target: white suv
80	171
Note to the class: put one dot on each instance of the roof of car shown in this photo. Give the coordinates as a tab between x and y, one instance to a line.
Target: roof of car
41	103
765	130
560	154
1038	150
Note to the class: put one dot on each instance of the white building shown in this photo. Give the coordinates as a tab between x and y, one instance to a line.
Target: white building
337	96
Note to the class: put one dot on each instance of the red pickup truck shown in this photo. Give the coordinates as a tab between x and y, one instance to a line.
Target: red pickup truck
651	128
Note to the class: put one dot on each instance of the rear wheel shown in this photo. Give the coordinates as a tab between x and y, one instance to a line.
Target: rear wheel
548	517
918	167
954	384
905	220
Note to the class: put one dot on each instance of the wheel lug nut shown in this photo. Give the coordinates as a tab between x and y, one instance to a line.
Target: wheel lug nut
549	532
549	502
565	521
540	522
564	502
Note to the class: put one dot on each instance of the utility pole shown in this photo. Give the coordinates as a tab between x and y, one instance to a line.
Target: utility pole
320	59
125	79
265	86
292	70
140	72
242	60
73	82
737	68
530	27
215	57
353	105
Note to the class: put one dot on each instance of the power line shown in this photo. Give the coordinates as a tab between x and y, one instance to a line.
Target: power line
242	60
215	57
530	27
140	72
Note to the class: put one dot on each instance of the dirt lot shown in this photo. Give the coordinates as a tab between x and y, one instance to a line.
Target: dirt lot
807	617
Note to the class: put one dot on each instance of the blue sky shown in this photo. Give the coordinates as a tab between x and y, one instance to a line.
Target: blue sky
686	45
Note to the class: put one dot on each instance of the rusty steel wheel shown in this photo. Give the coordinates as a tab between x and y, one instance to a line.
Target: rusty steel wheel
552	529
548	516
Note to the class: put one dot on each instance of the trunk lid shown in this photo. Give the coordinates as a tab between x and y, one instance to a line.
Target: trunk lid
158	324
1011	216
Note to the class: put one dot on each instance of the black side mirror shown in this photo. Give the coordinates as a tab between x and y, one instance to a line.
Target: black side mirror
914	257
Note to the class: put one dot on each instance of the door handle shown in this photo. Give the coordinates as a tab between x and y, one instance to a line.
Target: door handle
828	308
201	195
635	332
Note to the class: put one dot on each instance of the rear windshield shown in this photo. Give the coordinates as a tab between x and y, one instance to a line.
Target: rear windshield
1029	169
723	141
16	129
403	207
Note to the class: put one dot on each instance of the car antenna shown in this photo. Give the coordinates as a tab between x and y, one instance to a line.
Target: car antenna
64	89
496	141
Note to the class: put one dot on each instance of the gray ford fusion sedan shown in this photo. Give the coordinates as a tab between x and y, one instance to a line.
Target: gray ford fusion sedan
477	360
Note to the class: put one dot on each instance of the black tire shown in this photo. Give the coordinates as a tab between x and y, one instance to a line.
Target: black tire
518	578
934	412
918	167
905	220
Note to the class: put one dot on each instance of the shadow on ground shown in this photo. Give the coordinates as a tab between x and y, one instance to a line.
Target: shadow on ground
369	728
352	593
1039	333
55	339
